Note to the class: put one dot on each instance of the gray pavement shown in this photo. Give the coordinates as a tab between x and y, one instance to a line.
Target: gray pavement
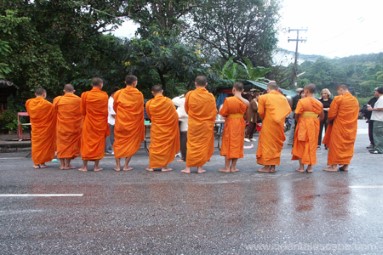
171	213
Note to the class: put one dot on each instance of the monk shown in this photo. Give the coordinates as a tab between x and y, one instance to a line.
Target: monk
94	108
273	108
200	106
341	134
233	111
164	131
129	130
43	124
308	114
69	122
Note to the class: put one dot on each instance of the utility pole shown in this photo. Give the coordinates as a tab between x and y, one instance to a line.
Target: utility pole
297	40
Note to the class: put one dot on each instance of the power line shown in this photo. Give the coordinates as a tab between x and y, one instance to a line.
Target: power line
297	40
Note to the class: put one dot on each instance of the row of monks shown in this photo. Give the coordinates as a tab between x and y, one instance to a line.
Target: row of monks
74	126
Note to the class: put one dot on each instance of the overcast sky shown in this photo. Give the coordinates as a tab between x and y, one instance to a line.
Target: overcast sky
336	28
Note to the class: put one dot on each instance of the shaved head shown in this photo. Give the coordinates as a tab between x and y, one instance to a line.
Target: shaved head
130	79
156	89
201	81
272	85
68	88
342	86
97	82
310	88
238	86
40	91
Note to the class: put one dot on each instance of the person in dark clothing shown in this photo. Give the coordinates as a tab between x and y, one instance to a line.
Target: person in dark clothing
294	103
326	102
370	122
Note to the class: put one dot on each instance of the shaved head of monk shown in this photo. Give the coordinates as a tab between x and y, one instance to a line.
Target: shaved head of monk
131	80
342	89
68	88
309	89
157	89
97	82
272	85
40	92
238	86
201	81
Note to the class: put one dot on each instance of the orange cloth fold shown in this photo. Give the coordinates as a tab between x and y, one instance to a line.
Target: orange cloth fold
273	108
164	131
94	108
307	130
341	135
200	106
234	130
129	130
68	126
43	124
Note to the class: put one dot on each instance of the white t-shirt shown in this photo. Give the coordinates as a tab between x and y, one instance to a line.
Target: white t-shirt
182	115
378	115
111	119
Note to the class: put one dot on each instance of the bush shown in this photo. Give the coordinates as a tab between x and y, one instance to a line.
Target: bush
8	120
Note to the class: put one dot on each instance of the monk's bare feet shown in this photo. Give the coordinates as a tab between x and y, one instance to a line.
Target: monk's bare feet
272	169
234	170
224	170
265	169
186	171
309	169
166	169
43	166
83	169
149	169
97	169
200	170
127	169
300	170
36	166
332	168
117	169
344	168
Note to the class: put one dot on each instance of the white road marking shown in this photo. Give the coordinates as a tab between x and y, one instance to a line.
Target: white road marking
41	195
2	213
367	187
13	158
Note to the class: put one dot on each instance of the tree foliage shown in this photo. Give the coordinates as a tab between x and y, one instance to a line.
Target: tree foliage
238	29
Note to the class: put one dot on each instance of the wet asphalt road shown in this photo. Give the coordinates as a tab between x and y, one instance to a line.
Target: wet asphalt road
171	213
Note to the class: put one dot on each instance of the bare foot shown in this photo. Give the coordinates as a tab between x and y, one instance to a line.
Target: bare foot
165	169
309	169
180	160
264	169
185	171
43	166
234	170
224	170
117	169
127	169
83	169
36	166
300	170
149	169
331	169
201	171
98	169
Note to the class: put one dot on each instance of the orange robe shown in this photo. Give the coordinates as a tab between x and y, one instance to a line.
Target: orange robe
129	130
164	132
273	108
341	134
43	124
94	108
68	126
200	106
307	130
233	136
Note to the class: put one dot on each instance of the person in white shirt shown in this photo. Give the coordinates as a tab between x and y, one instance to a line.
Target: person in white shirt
179	102
377	117
111	122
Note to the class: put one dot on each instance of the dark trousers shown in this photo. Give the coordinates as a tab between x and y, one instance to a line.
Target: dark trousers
110	139
184	139
250	130
323	124
371	131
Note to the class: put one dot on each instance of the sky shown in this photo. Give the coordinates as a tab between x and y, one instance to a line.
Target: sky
336	28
